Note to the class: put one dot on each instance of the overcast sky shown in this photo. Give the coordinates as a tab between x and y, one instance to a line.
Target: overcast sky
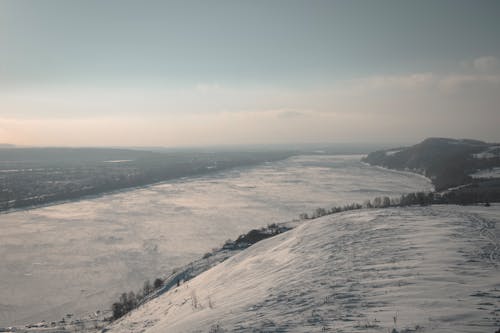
176	73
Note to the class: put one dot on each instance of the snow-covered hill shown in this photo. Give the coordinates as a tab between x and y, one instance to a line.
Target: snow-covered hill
425	269
447	162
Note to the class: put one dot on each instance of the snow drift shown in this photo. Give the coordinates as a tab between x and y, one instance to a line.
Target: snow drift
422	269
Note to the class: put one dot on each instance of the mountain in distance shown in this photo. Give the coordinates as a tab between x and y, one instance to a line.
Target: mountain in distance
447	162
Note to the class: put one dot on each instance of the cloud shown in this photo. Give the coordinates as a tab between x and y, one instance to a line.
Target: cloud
420	82
457	82
403	81
408	106
290	114
486	64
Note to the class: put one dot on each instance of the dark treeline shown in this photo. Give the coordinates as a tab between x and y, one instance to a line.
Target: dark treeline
458	197
254	236
323	211
129	301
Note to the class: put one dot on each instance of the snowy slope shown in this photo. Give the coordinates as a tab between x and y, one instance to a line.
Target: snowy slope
425	269
77	257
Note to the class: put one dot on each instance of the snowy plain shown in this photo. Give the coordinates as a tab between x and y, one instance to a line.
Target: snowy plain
417	269
77	257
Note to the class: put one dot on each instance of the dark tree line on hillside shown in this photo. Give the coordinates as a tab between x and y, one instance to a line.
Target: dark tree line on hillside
130	301
457	197
254	236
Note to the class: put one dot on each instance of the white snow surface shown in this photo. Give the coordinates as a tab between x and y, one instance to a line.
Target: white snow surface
491	152
392	152
487	173
436	269
77	257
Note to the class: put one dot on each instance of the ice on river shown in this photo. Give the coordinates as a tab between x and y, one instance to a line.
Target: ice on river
77	257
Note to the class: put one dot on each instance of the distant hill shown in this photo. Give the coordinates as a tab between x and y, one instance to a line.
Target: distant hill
7	145
447	162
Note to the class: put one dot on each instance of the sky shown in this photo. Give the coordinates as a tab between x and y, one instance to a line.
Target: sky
194	73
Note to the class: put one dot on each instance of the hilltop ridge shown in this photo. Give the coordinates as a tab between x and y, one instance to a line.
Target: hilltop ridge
449	163
349	272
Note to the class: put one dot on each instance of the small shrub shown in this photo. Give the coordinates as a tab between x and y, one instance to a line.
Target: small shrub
118	310
211	304
147	288
194	300
216	329
158	283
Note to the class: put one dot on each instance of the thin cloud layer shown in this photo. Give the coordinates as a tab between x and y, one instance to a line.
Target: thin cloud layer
121	72
385	107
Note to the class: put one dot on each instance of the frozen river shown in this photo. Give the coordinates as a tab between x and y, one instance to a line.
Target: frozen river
77	257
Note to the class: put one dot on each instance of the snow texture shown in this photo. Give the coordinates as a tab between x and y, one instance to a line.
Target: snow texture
77	257
417	269
487	173
491	152
392	152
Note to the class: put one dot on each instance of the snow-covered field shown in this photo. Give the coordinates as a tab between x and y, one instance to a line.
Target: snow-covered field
418	269
487	173
78	257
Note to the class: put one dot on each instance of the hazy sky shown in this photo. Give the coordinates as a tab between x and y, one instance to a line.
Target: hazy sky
118	72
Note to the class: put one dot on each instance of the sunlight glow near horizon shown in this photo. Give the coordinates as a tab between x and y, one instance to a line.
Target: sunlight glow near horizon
190	73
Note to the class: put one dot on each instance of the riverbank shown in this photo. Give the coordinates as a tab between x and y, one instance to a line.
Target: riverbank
84	254
39	176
